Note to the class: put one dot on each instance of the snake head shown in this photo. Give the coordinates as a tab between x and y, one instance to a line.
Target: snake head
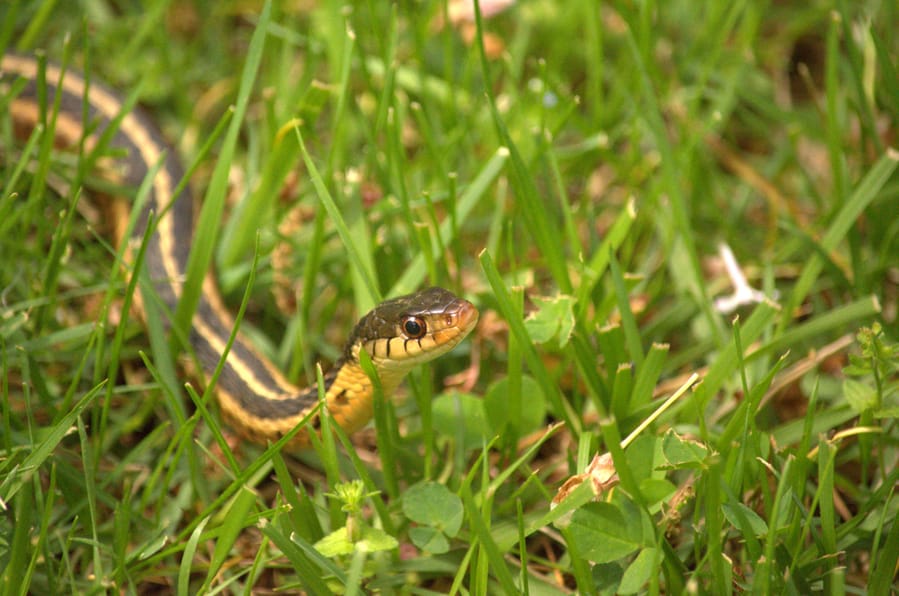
409	330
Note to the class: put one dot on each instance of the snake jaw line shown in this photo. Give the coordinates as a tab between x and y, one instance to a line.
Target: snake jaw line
447	320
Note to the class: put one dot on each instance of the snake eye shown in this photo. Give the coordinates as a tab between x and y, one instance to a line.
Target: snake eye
414	327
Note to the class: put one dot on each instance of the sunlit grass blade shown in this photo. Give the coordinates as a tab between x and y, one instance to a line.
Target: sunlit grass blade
214	201
8	214
628	322
253	213
232	523
516	324
384	426
45	446
492	554
360	256
306	560
596	266
533	207
684	260
415	272
882	577
434	88
727	361
302	512
18	551
647	376
88	461
866	191
852	314
187	558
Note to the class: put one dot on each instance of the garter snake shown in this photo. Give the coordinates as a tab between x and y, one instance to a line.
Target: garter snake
253	394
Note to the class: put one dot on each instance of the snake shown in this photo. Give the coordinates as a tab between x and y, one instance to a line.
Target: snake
255	397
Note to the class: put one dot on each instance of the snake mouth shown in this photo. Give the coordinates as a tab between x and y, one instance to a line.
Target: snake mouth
465	315
458	319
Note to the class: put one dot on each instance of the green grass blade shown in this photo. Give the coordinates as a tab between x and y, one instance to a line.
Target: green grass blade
45	446
362	263
882	578
234	521
866	191
415	272
516	325
206	232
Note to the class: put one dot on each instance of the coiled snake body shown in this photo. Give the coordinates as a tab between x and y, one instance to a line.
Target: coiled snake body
257	399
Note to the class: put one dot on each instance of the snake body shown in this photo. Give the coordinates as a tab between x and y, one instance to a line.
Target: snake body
253	394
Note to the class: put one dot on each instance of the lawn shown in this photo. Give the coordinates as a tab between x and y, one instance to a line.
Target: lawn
679	221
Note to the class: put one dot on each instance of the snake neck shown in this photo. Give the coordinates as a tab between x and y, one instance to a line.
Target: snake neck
350	399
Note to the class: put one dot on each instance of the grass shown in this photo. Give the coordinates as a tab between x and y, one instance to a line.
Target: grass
576	185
